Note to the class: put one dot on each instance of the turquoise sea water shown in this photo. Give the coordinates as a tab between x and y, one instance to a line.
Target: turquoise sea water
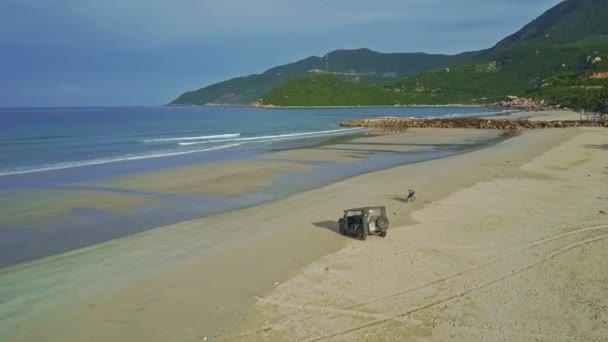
47	152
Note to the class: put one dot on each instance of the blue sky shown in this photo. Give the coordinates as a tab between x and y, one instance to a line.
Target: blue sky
146	52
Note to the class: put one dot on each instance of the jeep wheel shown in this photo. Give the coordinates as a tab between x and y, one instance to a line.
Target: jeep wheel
382	223
361	233
382	233
342	229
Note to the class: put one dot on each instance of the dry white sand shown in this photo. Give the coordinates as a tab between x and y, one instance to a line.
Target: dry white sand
523	257
548	115
505	243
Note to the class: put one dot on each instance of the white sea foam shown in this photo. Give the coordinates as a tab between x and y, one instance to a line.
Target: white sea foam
492	113
203	137
473	115
279	137
100	161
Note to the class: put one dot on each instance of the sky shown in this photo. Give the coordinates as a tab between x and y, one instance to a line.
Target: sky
147	52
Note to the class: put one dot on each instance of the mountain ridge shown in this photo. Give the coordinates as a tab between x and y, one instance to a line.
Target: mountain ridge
549	58
361	64
565	41
562	23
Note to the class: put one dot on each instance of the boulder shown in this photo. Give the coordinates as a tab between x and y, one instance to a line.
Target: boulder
399	124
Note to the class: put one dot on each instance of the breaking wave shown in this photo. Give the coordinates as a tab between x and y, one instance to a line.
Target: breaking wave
279	137
99	161
482	114
204	137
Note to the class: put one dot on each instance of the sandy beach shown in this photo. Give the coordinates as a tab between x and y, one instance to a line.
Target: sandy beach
521	257
548	115
507	242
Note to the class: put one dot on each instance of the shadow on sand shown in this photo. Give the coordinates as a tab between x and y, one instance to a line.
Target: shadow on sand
332	226
402	199
329	225
601	147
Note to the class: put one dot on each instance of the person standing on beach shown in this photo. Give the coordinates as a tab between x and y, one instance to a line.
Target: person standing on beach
410	195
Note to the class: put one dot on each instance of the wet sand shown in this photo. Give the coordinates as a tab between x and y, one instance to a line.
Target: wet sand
460	263
236	178
416	140
39	221
235	255
226	179
36	207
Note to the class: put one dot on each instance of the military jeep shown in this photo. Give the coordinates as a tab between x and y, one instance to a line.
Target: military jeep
361	222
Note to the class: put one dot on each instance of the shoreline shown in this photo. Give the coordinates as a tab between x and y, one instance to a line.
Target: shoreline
224	245
456	105
199	191
379	106
158	151
495	258
177	291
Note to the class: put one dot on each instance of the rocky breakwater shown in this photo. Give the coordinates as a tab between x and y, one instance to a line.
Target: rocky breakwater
472	123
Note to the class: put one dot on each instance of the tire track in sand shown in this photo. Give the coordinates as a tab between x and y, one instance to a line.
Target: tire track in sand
382	318
505	276
480	266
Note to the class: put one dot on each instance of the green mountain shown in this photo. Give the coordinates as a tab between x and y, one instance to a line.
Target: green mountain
568	22
514	71
326	90
556	54
361	65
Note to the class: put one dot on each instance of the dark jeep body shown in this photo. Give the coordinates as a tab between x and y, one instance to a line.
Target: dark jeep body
361	222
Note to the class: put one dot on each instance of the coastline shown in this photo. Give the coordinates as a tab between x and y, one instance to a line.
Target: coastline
496	258
192	282
382	106
61	218
126	264
251	105
507	123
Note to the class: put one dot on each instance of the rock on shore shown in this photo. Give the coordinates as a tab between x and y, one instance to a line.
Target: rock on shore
474	123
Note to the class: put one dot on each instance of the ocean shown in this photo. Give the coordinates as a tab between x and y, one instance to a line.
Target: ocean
44	139
47	154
